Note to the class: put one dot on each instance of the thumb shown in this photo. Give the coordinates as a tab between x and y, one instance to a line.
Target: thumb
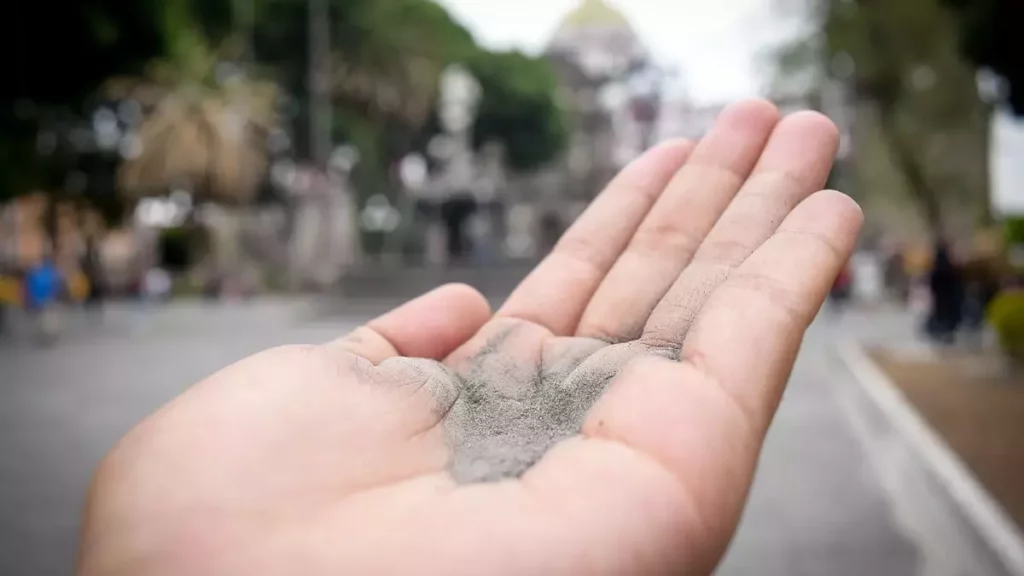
430	326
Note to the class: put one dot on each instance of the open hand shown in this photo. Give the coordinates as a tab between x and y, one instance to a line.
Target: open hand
607	420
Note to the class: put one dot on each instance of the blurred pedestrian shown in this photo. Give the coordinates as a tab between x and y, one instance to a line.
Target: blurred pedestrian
897	280
982	283
93	270
157	285
842	289
44	285
947	291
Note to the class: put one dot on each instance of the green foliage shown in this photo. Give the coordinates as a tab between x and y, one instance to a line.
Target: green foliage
901	64
990	36
53	88
518	108
386	58
386	54
1006	315
1013	230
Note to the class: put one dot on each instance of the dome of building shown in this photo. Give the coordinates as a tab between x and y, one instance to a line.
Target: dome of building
596	36
593	14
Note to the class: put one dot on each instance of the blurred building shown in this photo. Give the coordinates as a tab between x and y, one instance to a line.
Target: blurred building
595	52
680	118
1006	167
612	92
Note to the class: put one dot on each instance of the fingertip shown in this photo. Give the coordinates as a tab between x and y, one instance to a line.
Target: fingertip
830	211
672	146
804	143
753	111
814	120
656	165
844	204
471	299
436	323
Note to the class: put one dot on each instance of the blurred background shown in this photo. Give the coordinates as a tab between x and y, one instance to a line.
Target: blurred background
185	182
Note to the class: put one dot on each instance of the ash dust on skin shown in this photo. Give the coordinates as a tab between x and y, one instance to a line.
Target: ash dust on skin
522	392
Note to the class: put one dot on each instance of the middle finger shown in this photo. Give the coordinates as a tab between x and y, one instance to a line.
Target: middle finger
678	222
795	164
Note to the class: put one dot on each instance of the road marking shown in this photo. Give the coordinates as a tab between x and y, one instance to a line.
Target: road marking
988	517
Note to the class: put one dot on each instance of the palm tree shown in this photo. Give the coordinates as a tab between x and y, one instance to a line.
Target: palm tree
205	130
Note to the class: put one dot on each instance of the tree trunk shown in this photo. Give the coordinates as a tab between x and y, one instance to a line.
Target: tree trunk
986	218
910	167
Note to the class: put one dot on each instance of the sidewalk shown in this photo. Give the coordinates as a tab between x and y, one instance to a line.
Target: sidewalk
962	412
121	319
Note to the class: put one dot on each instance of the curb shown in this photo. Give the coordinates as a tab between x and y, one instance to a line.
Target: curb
984	513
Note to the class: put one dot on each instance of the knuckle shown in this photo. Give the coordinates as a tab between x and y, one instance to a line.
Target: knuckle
608	333
818	239
583	249
729	251
664	236
772	291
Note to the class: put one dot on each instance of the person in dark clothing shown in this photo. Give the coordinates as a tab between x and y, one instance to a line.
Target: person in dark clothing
981	285
92	268
842	289
456	212
946	283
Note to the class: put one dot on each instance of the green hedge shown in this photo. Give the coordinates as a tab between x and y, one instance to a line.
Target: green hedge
1006	315
1014	231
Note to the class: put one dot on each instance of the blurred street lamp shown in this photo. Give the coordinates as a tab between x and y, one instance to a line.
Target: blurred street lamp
106	129
460	95
344	159
992	88
413	172
379	215
320	117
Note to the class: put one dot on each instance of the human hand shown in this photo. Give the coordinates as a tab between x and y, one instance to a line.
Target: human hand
438	439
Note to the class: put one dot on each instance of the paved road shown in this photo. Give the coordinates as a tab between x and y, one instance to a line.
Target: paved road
837	493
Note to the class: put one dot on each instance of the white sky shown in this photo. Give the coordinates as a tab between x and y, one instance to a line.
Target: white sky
714	45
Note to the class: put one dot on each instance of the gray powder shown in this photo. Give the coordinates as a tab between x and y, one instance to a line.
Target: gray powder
511	408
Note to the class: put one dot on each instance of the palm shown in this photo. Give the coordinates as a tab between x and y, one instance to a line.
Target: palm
606	420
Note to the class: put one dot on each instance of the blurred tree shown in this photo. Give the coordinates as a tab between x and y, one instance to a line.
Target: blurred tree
519	108
990	36
49	90
915	90
207	127
387	58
